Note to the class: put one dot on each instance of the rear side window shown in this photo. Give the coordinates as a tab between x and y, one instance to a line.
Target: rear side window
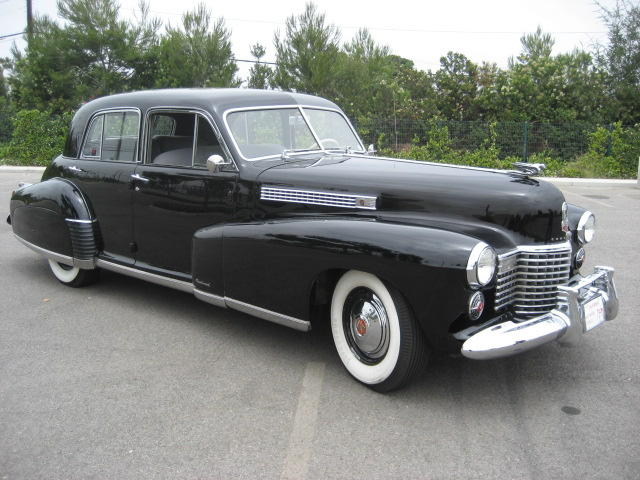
113	136
93	140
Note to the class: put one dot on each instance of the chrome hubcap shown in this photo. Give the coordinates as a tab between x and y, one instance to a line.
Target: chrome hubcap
368	325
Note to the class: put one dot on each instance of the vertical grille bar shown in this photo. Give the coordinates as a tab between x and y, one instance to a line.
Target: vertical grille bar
528	278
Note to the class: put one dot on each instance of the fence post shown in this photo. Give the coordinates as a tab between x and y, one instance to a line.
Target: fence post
525	142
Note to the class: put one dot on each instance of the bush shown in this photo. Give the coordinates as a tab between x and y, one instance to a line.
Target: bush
612	153
6	114
37	138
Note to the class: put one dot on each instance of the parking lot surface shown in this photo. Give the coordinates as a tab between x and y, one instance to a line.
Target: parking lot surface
125	379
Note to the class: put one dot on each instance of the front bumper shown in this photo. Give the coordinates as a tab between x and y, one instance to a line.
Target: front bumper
565	323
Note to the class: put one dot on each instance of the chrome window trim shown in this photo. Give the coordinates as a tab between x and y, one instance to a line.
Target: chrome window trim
344	116
297	106
178	109
102	112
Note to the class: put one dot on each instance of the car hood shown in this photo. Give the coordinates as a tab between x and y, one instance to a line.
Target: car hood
500	207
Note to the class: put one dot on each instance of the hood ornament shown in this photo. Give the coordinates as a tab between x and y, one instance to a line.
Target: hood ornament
529	169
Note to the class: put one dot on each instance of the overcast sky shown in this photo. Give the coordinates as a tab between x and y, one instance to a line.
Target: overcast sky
421	30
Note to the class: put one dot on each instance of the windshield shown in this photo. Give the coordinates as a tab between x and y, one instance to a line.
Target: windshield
270	132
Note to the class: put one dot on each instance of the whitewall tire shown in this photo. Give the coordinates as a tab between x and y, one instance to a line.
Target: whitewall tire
375	332
72	276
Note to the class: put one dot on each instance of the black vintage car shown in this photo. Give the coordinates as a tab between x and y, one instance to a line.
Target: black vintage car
268	203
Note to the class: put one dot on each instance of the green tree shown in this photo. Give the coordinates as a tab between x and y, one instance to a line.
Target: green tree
621	60
198	53
457	87
91	54
545	88
307	54
260	74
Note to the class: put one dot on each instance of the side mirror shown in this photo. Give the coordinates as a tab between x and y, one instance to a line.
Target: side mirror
214	162
371	150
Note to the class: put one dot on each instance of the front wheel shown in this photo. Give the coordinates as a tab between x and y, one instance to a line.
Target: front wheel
375	332
73	276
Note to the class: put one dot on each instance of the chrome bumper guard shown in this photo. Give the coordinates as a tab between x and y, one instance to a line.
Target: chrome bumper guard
565	323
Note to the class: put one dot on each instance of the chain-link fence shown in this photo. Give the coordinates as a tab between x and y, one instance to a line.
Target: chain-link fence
564	141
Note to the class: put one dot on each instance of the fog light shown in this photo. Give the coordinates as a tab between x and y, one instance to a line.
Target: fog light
578	259
476	305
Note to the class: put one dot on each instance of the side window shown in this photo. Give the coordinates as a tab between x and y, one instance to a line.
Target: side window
171	140
120	136
174	145
93	140
207	143
162	125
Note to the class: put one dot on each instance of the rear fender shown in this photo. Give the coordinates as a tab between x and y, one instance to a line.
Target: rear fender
55	219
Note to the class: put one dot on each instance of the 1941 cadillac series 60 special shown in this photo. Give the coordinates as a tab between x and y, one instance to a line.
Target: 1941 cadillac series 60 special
268	203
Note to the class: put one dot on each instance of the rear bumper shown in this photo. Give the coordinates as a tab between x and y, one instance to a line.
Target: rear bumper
565	323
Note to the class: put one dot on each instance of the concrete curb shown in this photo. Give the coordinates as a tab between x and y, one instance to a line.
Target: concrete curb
19	169
591	182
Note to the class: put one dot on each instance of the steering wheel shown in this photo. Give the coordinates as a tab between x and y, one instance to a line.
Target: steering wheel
330	140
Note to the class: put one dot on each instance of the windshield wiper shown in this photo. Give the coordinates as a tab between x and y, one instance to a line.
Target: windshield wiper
287	151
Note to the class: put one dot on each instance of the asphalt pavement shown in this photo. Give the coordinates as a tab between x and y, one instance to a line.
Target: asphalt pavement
129	380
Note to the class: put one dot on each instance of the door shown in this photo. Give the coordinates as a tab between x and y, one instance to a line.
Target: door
103	173
175	195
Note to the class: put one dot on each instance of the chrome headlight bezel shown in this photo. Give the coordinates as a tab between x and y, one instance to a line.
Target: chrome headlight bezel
481	266
586	227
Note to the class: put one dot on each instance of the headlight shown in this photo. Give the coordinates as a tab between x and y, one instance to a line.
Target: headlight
586	227
481	265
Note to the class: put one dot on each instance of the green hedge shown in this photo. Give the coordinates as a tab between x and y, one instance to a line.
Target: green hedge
36	139
611	153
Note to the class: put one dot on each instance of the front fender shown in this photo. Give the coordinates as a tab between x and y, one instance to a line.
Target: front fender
54	215
275	264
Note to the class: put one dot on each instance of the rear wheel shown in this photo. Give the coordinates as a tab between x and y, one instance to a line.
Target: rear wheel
73	276
375	333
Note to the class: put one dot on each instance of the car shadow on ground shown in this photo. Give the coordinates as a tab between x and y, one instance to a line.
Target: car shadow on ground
448	378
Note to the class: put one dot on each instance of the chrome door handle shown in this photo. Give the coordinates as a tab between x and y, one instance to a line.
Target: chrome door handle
140	178
73	168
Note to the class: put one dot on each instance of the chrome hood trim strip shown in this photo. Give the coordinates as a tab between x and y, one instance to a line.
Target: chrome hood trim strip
313	197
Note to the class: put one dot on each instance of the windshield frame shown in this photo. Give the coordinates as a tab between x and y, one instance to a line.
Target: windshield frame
300	108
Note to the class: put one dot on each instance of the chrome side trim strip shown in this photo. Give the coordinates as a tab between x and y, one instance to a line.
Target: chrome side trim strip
216	300
296	323
149	277
263	313
74	220
311	197
56	257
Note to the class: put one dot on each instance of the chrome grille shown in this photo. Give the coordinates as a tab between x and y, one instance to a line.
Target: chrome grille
528	278
330	199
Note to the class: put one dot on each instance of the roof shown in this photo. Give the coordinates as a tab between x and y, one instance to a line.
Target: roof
214	100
